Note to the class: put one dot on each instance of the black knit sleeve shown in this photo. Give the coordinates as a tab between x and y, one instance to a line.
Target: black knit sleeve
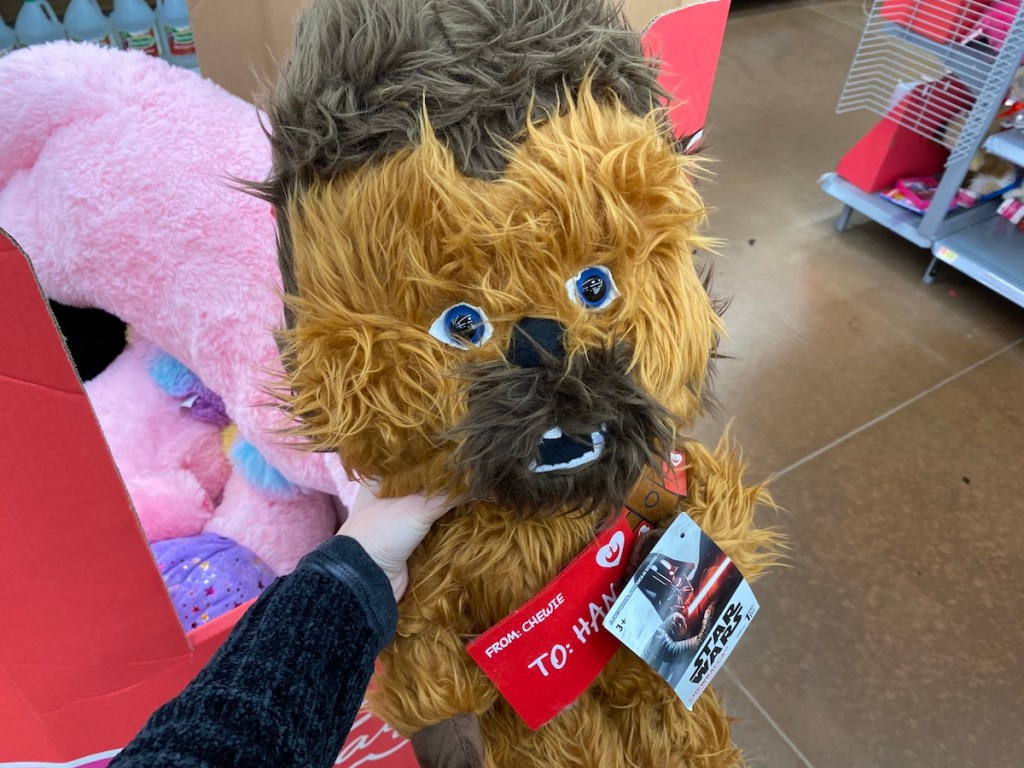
285	687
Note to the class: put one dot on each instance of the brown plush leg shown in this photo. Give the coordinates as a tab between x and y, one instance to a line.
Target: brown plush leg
452	743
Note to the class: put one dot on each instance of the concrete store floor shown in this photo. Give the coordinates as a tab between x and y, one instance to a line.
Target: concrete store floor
891	414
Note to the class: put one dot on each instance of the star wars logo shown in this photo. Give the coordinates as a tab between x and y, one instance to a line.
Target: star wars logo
706	658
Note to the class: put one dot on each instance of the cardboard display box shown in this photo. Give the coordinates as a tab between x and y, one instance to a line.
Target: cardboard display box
91	644
241	43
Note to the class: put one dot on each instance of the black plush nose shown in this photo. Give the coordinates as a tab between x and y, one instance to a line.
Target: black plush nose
534	340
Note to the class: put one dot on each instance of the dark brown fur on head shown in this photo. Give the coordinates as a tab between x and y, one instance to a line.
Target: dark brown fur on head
364	70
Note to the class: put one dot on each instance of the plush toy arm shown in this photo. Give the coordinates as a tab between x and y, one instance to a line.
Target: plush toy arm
723	506
427	677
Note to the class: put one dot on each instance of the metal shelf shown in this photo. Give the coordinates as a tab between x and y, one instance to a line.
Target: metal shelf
1008	145
903	222
889	215
970	62
921	48
894	60
991	252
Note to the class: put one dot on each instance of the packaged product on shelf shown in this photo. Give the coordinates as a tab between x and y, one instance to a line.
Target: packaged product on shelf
1015	96
136	27
176	33
916	193
918	190
896	197
37	23
8	40
980	186
1012	208
84	22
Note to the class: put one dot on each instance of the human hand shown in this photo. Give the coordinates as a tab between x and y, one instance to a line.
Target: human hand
390	529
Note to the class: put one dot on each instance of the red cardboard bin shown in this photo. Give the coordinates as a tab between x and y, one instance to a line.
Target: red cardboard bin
90	644
688	41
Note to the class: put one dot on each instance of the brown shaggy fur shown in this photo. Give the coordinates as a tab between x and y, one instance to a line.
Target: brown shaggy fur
475	568
374	251
509	407
594	186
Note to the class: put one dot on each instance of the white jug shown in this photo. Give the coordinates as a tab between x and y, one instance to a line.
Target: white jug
37	23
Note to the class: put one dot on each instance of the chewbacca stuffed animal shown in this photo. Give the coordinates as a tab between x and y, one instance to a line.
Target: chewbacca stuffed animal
486	233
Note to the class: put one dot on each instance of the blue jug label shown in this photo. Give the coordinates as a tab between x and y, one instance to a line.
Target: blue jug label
180	40
141	40
104	40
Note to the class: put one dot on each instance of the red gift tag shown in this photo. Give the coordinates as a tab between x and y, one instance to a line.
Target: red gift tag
674	473
543	656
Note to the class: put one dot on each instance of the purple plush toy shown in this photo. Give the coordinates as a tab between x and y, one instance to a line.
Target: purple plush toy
207	575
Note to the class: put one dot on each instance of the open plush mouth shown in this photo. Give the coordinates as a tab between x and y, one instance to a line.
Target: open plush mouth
560	451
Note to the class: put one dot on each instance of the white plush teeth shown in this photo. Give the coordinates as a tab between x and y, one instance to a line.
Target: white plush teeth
597	438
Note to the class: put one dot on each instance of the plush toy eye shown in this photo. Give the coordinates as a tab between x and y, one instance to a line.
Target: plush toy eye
593	288
462	326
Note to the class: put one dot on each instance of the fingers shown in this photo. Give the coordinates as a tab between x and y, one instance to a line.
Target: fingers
415	506
390	529
436	507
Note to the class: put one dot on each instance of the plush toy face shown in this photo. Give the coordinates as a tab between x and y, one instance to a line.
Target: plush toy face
534	339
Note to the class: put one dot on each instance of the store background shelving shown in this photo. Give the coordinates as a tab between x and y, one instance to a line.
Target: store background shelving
1008	144
992	252
889	60
9	8
903	222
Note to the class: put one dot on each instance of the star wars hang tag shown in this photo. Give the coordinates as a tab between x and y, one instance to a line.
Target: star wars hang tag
543	656
684	609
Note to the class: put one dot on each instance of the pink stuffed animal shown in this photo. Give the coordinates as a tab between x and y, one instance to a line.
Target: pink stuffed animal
116	177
